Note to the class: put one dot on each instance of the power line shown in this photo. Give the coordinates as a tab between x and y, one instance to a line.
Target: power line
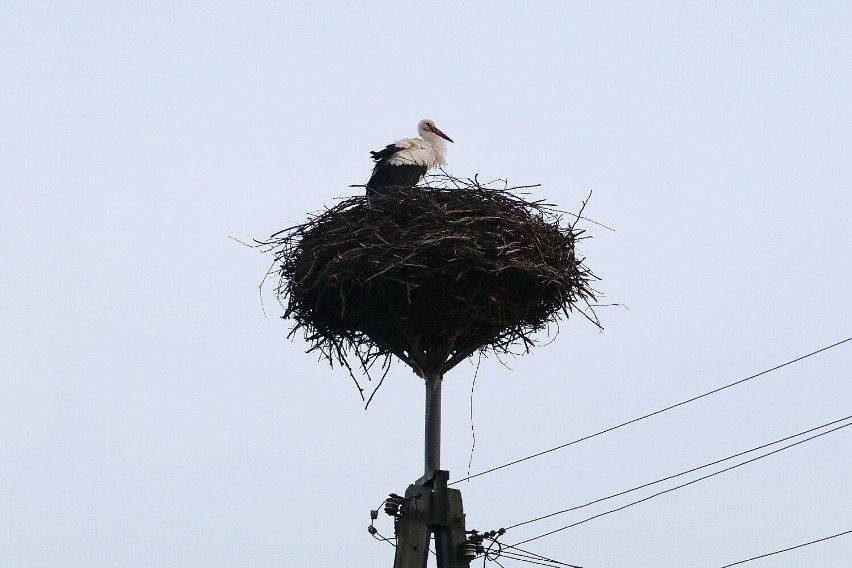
497	549
694	469
787	549
528	560
532	556
681	486
634	420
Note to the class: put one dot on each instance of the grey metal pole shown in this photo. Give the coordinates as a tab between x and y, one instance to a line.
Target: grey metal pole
433	424
447	522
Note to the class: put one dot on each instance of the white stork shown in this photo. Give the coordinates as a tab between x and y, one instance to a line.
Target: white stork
405	162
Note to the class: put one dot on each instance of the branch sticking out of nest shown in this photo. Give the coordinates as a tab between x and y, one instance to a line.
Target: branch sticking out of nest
430	274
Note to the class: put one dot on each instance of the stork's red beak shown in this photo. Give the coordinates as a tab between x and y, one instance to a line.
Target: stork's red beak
441	134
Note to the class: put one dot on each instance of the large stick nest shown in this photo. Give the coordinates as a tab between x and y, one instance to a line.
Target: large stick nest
430	274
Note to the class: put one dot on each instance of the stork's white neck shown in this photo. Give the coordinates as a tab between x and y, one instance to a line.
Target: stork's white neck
439	147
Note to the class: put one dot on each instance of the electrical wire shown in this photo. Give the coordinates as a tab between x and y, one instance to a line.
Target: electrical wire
681	486
520	558
656	412
536	559
378	536
493	556
787	549
372	529
692	470
510	552
533	557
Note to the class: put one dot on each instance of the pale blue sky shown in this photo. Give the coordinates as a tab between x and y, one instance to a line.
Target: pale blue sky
152	416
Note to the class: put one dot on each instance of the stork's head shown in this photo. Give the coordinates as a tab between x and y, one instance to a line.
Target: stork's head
427	129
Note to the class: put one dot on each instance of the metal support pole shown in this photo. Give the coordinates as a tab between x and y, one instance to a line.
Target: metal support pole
430	506
433	424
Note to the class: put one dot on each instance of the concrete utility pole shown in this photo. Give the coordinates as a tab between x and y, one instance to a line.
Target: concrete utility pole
430	507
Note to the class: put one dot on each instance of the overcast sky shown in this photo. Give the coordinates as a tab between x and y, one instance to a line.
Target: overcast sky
153	415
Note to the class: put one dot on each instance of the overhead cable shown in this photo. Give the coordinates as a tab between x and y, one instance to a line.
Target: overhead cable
787	549
694	469
681	486
643	417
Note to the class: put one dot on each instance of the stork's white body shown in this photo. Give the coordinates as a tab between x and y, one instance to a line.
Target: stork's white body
420	152
403	163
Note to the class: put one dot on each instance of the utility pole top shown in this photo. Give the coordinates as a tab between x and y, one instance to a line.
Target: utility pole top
431	509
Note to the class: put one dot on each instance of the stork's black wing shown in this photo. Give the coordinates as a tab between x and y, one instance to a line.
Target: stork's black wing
385	153
387	175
